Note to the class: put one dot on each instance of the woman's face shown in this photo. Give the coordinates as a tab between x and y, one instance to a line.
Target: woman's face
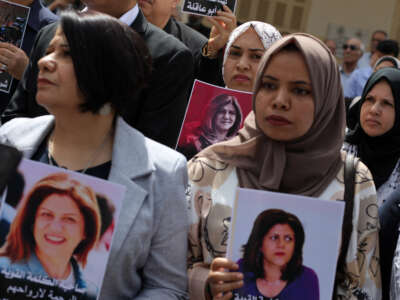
241	65
59	226
225	118
284	105
57	87
278	245
377	114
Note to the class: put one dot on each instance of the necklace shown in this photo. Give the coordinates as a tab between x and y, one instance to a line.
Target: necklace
92	158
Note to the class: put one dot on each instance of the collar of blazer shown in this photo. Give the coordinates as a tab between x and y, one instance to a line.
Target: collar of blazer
140	24
28	134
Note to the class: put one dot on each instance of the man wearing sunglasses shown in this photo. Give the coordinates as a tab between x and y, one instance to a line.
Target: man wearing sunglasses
360	76
376	37
352	51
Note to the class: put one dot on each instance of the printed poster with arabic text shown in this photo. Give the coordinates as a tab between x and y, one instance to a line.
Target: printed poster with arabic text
56	231
207	7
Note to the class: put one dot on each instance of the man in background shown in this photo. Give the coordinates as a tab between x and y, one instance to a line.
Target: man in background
159	13
352	52
376	37
359	77
207	54
331	44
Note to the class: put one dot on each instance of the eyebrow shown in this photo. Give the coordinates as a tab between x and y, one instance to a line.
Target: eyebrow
250	49
295	82
67	213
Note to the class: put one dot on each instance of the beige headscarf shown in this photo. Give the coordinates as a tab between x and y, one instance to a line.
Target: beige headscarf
303	166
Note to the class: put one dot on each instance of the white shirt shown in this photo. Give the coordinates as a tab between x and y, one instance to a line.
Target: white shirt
130	16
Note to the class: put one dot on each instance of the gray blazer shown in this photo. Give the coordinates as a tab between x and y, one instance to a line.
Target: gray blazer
149	248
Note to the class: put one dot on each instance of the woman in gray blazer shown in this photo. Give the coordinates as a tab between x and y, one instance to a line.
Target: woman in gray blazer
85	82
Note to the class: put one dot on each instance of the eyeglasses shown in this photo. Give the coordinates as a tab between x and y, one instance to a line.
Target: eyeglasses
352	47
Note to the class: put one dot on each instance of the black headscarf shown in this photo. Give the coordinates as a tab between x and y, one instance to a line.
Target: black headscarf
379	153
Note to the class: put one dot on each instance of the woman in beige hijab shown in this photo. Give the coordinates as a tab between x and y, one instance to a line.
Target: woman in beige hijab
290	144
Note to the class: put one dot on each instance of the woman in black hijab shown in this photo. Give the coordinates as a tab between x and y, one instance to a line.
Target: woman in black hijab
375	138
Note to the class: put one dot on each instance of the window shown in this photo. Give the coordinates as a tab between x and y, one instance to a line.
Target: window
263	9
286	15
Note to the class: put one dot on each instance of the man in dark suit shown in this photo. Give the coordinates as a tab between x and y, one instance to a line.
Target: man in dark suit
159	110
208	64
14	59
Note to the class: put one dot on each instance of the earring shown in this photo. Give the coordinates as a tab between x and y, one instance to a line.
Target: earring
105	109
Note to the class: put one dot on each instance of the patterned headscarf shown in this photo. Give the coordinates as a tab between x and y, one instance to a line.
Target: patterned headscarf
267	33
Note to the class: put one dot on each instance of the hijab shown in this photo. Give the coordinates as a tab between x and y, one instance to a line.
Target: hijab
308	164
393	60
379	153
267	33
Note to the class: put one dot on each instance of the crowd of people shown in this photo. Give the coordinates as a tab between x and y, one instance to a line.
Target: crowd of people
101	88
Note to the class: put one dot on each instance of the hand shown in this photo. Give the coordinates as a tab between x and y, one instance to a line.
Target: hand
14	59
221	281
223	24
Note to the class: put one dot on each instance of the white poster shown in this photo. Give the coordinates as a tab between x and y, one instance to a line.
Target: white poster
286	246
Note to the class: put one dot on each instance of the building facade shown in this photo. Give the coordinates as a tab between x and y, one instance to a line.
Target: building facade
337	19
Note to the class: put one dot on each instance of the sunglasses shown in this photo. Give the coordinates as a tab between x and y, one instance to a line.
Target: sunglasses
352	47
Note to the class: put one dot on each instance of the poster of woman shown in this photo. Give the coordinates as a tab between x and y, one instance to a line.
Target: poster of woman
55	233
214	114
286	246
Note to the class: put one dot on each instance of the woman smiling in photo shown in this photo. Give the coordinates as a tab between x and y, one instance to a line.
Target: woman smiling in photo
56	226
221	120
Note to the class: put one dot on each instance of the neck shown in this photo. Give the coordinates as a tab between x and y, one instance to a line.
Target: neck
221	134
115	9
159	23
57	267
349	67
81	139
273	273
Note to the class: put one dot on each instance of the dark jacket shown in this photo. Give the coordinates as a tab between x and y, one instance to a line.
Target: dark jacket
161	107
205	69
39	17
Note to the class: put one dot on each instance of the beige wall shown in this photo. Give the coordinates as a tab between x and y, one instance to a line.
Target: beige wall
366	15
320	15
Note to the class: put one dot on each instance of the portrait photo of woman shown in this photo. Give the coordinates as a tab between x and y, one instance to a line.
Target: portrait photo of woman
56	226
272	262
221	119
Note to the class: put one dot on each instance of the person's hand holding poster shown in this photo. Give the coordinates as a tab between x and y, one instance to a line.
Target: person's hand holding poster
13	20
214	114
56	228
207	7
286	246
